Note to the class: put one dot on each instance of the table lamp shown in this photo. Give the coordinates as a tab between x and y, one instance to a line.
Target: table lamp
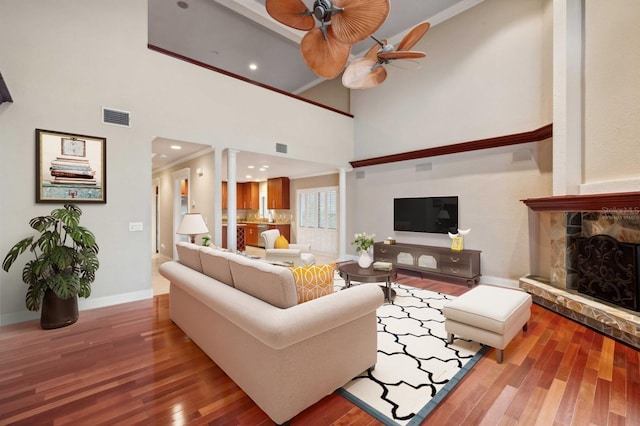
192	224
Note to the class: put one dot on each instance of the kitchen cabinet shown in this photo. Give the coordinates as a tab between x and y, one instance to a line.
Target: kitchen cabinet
224	195
284	228
278	193
251	234
247	195
240	237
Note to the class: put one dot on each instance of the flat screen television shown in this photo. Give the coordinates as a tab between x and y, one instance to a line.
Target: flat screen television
437	215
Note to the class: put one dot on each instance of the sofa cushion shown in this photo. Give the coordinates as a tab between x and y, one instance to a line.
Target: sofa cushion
270	283
313	281
215	264
189	255
281	243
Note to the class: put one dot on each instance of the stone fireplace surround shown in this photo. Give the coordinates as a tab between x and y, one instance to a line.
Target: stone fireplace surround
617	215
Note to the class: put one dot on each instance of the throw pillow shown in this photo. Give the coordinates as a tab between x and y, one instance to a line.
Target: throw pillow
281	243
313	281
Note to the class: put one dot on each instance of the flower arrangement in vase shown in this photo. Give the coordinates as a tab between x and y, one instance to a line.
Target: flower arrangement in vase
363	243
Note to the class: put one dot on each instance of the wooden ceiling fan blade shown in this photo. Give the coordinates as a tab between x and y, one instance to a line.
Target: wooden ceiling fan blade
326	58
404	54
292	13
363	74
372	53
413	36
359	20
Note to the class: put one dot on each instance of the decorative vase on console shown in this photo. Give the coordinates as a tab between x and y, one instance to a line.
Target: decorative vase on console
363	243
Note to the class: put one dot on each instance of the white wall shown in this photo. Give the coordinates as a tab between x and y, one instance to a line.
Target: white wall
65	61
612	92
486	74
489	186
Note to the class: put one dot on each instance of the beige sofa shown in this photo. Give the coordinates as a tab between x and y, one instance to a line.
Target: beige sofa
244	315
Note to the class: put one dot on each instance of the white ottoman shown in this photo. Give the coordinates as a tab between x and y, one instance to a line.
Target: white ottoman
488	315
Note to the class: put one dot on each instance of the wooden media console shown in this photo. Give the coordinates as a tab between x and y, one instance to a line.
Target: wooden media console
443	261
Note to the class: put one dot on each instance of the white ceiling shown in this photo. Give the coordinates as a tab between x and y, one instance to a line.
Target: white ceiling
247	163
231	34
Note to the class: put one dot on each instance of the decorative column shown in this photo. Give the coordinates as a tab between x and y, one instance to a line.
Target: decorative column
232	214
567	96
342	215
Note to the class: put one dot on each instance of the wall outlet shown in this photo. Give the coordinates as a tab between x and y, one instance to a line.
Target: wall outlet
135	226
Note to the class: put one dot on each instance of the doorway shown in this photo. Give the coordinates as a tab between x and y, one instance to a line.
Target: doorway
181	203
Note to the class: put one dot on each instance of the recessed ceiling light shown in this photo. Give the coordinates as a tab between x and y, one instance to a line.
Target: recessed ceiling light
183	5
163	155
262	169
253	67
176	147
265	167
251	167
248	176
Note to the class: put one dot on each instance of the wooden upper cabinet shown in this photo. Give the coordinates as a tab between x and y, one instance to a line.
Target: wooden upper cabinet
247	195
253	195
224	195
278	193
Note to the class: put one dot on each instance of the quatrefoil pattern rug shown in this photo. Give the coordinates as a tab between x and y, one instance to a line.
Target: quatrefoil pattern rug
416	366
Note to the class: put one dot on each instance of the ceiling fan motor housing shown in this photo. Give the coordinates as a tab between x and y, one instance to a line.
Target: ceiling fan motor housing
323	9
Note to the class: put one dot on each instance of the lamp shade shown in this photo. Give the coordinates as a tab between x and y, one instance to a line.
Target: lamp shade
192	224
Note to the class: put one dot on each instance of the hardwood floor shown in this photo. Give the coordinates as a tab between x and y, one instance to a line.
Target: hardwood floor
129	364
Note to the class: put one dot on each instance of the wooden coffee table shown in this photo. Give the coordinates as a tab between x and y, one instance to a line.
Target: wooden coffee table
353	272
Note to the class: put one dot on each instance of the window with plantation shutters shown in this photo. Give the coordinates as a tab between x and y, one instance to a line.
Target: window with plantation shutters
317	214
318	208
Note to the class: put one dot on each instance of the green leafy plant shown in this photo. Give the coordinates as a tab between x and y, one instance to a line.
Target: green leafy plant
66	257
363	241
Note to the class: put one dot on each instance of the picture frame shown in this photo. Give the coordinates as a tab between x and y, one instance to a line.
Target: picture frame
70	168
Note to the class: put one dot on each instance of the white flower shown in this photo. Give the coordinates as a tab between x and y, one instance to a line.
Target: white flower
363	241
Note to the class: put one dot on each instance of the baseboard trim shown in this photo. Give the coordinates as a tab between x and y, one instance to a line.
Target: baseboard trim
499	281
83	305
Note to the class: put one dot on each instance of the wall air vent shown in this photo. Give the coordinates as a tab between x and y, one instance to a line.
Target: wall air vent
115	117
360	174
424	167
281	148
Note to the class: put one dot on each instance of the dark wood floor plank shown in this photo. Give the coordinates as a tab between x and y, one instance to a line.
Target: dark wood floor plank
129	364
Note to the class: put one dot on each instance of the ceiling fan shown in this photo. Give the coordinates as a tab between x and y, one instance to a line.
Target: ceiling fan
326	48
369	70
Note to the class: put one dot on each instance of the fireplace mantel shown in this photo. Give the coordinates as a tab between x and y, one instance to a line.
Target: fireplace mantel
629	201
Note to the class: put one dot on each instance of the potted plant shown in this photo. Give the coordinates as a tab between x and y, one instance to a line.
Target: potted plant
64	265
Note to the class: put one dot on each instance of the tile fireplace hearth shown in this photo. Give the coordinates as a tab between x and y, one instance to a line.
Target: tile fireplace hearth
615	322
570	220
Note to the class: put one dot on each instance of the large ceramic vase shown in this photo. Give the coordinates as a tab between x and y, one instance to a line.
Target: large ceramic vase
57	312
364	261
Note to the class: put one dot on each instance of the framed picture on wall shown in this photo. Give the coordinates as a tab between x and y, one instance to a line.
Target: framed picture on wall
70	168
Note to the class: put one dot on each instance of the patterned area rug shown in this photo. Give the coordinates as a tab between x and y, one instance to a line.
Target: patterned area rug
416	367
